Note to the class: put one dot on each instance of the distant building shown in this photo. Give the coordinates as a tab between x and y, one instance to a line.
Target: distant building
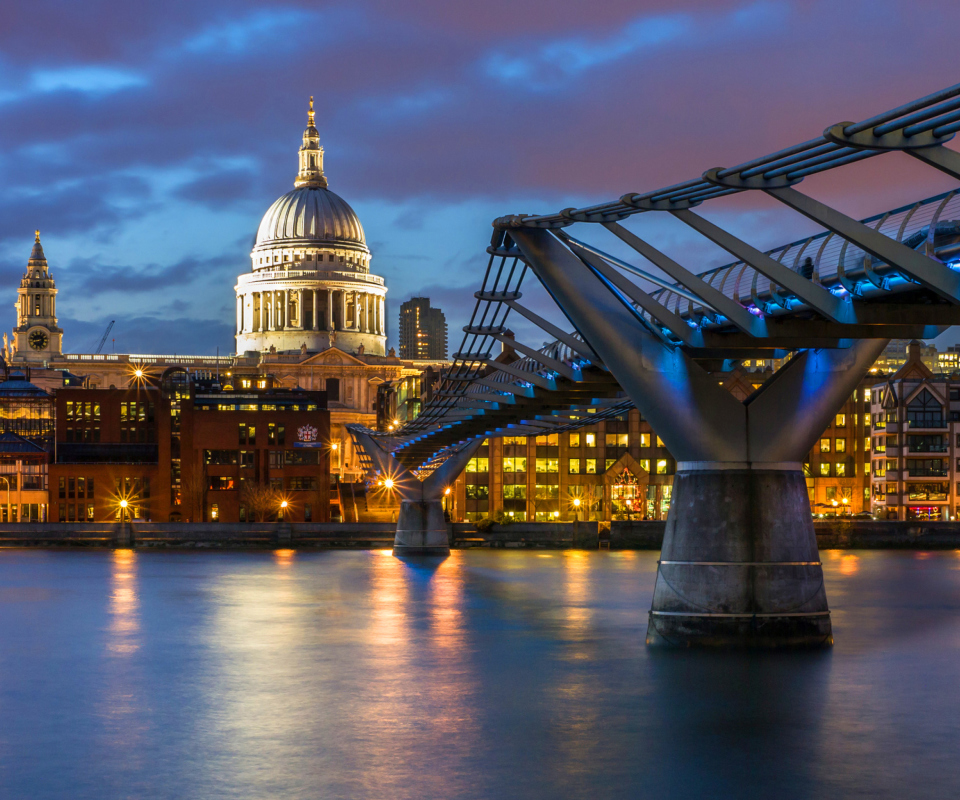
894	356
916	424
423	330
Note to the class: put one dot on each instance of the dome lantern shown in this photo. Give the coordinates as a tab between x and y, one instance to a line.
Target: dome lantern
311	156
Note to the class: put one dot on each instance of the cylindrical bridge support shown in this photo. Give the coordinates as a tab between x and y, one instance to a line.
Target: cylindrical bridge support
739	565
422	529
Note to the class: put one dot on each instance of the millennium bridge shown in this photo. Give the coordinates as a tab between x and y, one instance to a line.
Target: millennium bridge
739	564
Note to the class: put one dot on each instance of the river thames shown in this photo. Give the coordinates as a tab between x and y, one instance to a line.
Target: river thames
351	674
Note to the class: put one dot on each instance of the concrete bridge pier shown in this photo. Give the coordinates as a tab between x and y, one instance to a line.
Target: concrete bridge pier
739	565
422	529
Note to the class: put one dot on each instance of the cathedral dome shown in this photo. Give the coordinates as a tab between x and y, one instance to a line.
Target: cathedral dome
310	214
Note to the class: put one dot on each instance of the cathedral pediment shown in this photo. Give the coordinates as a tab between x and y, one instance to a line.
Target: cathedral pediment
333	356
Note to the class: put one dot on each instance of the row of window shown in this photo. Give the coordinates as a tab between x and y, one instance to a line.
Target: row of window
828	445
546	466
300	457
28	483
827	469
87	411
299	483
276	434
75	488
221	406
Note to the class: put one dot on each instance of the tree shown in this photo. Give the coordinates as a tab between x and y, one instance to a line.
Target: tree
260	499
193	493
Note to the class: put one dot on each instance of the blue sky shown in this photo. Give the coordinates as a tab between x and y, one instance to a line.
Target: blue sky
146	142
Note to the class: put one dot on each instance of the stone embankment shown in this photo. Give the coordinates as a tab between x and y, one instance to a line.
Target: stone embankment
647	535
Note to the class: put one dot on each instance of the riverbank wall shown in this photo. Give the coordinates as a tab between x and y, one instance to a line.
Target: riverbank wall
620	535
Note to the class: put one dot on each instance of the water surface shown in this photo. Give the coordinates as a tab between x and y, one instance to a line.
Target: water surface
351	674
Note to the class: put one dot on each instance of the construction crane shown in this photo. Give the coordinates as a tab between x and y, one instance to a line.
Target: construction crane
106	333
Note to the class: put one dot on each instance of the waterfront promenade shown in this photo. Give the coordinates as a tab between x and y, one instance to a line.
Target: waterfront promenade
490	674
840	532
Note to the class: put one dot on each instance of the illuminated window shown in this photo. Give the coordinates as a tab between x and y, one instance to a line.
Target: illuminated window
591	441
841	420
866	445
661	465
548	465
574	466
824	468
645	463
659	442
574	439
824	445
841	469
515	464
841	445
644	439
591	466
866	468
478	465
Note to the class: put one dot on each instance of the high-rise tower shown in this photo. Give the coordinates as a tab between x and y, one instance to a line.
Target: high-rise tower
37	336
423	330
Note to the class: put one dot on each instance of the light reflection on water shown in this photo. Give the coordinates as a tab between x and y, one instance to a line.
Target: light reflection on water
484	675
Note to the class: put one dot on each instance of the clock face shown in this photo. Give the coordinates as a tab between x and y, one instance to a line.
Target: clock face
39	340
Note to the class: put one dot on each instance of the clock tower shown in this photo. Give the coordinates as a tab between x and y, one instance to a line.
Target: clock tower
37	336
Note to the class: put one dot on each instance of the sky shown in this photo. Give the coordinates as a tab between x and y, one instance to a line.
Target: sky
146	140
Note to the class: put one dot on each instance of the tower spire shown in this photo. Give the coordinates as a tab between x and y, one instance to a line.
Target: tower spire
311	155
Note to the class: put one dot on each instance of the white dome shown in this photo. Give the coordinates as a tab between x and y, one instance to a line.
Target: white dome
310	215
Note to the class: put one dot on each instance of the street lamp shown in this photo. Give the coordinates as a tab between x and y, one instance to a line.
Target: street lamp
576	509
388	483
123	510
283	508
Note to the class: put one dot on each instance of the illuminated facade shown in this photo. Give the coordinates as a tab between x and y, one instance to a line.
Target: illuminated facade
620	469
310	287
37	337
916	427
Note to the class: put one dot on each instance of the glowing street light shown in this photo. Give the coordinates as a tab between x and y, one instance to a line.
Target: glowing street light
388	483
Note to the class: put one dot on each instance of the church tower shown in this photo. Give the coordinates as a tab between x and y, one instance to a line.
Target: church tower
37	336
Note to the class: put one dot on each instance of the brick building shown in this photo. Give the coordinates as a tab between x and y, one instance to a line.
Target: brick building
180	450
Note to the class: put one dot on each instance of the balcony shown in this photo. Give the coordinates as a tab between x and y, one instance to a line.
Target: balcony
923	449
934	424
925	473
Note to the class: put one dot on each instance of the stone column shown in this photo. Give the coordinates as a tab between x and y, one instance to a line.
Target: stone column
239	313
383	311
315	299
343	308
329	309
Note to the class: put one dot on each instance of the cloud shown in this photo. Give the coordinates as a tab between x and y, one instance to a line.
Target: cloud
240	36
90	79
96	279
